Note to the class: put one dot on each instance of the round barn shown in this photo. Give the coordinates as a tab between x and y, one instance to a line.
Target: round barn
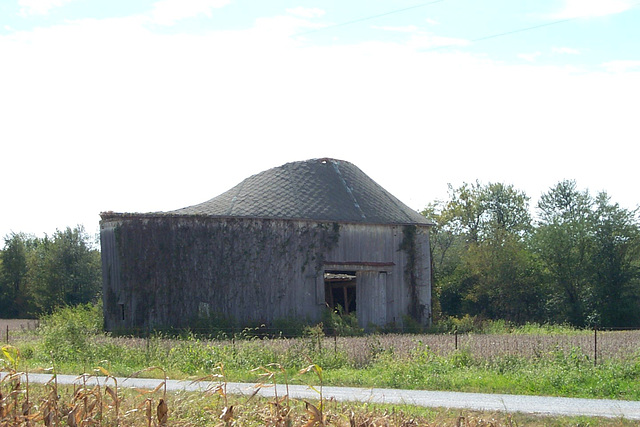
286	243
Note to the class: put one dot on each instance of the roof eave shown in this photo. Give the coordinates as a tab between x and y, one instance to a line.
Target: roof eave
110	215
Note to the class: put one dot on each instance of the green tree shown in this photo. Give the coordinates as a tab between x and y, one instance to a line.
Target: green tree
563	241
591	253
506	279
579	264
15	297
506	212
615	261
465	210
448	246
64	270
482	263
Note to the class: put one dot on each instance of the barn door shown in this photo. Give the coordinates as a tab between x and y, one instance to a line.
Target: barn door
372	298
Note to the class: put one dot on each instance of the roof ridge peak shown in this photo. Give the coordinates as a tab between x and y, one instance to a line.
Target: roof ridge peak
294	184
348	189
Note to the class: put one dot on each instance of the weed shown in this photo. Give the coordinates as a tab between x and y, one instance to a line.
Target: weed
162	410
336	322
279	409
316	416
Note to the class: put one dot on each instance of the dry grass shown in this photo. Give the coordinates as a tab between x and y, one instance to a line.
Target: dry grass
79	405
611	345
86	403
27	405
17	325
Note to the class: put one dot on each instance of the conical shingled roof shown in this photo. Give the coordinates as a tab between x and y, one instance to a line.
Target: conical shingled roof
317	189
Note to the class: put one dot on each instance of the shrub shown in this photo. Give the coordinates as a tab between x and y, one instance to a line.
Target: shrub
288	327
66	332
463	325
411	325
344	325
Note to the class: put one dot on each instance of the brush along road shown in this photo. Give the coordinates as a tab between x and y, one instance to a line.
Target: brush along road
541	405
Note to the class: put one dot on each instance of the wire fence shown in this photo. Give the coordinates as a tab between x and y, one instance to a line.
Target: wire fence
597	344
9	327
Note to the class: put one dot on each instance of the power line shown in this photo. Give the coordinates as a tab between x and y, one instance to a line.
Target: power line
504	33
520	30
367	18
491	36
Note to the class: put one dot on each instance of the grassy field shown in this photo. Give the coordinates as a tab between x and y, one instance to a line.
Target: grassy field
532	360
558	365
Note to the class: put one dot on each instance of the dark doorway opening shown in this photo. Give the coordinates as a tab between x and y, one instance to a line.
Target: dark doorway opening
340	290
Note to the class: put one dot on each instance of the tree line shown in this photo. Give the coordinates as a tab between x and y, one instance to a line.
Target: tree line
39	274
576	262
573	259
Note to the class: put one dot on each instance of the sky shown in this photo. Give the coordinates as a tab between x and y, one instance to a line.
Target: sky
152	106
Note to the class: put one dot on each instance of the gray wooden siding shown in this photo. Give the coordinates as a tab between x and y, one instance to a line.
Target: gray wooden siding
112	295
168	270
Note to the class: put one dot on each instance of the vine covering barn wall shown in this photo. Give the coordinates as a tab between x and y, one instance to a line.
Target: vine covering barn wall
172	269
164	271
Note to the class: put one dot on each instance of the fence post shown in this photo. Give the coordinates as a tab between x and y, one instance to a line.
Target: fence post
595	345
455	334
148	343
7	334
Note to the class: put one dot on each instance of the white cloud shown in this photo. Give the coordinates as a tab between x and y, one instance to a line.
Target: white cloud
429	41
621	66
168	12
280	27
422	40
306	12
565	50
155	122
405	29
529	57
431	21
593	8
39	7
